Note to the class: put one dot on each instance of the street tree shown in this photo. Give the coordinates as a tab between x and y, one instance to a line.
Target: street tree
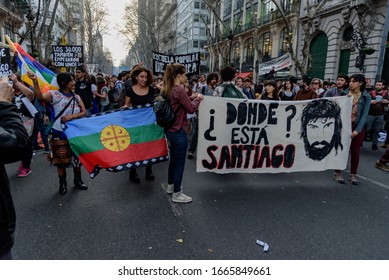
95	26
140	29
302	63
221	38
41	16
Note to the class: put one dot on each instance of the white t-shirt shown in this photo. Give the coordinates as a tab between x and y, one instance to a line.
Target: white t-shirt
59	102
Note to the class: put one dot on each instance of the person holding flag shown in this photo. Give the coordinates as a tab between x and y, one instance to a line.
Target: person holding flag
67	106
46	79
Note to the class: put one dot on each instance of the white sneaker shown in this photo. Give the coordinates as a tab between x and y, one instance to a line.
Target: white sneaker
180	197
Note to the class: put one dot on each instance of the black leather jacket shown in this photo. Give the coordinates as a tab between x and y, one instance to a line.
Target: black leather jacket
14	142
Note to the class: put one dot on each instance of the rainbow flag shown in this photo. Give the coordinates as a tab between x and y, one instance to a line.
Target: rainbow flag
117	140
46	78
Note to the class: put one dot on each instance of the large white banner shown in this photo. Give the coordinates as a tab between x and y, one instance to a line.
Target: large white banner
278	64
259	136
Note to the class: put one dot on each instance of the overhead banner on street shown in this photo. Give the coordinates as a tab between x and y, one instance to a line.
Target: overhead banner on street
5	62
278	64
260	136
68	56
190	60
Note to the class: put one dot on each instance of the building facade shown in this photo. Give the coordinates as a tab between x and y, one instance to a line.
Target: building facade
347	37
182	29
19	17
166	27
11	18
245	33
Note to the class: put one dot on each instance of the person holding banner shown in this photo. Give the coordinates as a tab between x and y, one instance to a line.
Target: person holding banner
14	144
67	106
174	79
139	94
22	99
271	91
360	110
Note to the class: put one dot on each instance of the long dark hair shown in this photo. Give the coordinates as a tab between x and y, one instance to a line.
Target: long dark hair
171	72
63	79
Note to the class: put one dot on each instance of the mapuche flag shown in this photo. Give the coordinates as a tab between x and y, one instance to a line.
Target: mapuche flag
117	140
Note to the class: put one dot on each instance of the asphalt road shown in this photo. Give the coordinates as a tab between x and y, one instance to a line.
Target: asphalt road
301	216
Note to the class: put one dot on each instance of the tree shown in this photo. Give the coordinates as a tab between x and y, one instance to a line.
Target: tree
96	25
303	65
140	29
224	34
38	29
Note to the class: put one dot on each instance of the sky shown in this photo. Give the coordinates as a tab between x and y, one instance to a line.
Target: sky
113	41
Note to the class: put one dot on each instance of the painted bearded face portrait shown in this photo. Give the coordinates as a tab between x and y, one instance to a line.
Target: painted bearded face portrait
321	127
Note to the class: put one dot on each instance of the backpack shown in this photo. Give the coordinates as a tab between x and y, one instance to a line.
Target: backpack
230	91
164	114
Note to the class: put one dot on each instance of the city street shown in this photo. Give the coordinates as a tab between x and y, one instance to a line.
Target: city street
299	215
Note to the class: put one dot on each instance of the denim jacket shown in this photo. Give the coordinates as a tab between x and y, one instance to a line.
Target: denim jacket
363	111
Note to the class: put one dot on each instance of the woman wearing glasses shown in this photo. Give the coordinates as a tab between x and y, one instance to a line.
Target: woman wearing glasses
317	86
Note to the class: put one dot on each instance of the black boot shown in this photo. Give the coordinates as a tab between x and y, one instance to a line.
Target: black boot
78	183
134	176
63	185
149	173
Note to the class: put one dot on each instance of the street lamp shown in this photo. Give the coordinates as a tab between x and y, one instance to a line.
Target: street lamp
186	38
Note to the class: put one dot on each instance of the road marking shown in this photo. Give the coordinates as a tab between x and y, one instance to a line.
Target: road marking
175	208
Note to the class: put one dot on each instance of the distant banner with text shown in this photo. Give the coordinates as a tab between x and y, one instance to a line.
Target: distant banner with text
190	60
260	136
68	56
278	63
5	62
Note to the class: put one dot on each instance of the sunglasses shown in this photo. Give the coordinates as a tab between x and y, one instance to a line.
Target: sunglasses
314	83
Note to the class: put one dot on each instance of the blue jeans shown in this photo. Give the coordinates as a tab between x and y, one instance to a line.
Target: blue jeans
178	146
375	123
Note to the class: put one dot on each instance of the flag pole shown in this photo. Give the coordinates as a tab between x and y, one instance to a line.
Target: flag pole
13	48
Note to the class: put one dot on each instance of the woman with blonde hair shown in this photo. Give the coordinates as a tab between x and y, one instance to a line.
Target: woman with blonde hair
317	86
173	81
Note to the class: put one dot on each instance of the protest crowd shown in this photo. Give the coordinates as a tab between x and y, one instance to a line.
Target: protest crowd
32	118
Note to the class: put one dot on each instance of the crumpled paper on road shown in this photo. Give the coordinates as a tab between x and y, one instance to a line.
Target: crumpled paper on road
263	244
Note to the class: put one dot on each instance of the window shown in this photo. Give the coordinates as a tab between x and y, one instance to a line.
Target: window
228	25
248	50
284	45
196	18
348	34
203	44
266	10
195	44
238	4
235	57
196	5
265	45
203	6
227	8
